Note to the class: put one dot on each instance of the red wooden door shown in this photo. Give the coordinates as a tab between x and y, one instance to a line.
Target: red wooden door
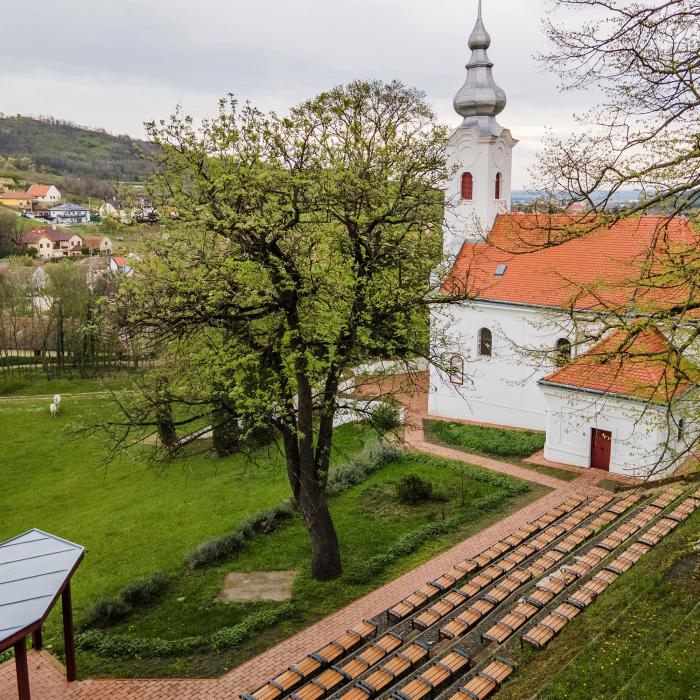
601	444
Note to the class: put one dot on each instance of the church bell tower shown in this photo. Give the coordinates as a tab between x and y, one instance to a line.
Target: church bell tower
479	152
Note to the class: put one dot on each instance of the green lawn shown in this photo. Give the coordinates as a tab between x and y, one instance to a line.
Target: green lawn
133	520
639	640
369	521
35	383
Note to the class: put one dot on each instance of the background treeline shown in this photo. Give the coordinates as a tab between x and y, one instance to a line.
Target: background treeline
66	149
62	317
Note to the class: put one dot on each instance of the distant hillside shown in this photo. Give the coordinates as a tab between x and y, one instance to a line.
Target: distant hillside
67	150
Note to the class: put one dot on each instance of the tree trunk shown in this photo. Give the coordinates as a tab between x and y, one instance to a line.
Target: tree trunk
325	551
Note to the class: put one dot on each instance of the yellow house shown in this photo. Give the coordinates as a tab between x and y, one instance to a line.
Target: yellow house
18	200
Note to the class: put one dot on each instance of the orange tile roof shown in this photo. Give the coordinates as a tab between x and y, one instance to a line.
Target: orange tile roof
38	190
597	268
637	363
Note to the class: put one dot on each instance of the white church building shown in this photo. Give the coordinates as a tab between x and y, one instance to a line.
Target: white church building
517	353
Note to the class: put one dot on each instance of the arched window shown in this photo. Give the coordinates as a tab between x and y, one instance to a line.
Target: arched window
467	186
485	343
499	177
563	352
456	370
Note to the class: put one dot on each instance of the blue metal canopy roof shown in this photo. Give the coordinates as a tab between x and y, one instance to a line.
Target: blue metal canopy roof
34	569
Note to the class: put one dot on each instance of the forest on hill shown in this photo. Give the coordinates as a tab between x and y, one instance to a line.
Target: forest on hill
61	148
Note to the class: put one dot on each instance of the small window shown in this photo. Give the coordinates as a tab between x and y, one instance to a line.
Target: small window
485	343
467	186
499	177
501	270
563	352
457	370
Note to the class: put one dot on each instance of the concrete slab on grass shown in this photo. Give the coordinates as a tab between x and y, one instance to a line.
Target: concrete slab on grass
256	585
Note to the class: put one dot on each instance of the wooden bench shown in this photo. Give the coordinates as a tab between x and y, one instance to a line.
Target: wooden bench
504	589
591	558
485	682
321	686
510	622
430	681
619	565
438	610
409	605
540	597
415	654
550	626
578	569
371	656
605	576
466	620
600	521
582	598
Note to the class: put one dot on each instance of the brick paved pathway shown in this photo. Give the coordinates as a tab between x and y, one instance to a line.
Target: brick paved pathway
46	674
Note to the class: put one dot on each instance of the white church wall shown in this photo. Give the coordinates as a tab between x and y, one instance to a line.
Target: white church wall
501	389
638	431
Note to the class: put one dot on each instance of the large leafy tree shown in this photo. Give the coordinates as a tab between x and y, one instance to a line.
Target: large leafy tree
303	247
643	58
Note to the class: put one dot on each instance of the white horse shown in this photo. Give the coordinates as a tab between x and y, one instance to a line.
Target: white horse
54	409
57	399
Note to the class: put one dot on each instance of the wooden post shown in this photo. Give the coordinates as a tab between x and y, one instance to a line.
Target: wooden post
37	640
22	669
67	610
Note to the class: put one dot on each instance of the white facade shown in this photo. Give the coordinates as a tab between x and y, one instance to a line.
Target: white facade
501	389
52	195
639	432
483	157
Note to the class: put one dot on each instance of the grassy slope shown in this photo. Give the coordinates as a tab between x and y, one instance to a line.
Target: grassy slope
511	445
132	519
66	149
368	521
639	640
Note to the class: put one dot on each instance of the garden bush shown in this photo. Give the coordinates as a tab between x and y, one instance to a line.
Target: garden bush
497	442
412	489
146	590
107	612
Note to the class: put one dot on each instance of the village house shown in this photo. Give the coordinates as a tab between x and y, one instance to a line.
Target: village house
16	200
44	194
69	213
52	243
517	356
114	209
120	265
98	244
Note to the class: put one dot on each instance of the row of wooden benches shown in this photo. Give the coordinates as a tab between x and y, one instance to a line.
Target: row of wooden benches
449	579
551	625
395	668
506	565
552	586
306	671
469	618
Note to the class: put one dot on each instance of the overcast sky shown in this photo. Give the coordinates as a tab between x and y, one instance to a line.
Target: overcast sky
117	64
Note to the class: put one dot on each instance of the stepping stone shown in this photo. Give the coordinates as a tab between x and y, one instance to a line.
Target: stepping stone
256	585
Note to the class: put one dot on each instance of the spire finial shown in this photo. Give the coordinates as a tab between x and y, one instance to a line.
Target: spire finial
479	100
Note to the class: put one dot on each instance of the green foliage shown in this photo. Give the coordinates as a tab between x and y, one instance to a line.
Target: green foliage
124	645
67	149
386	417
227	545
146	591
497	442
107	612
412	489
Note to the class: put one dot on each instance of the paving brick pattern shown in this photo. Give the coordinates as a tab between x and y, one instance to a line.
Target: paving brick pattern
48	680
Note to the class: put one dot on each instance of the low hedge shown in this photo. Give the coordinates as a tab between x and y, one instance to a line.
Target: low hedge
126	646
340	479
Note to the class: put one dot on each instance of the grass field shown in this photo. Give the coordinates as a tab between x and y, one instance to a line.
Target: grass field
640	640
135	520
369	521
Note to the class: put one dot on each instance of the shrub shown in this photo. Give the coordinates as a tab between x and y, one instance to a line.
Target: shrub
107	612
498	442
146	590
385	418
412	489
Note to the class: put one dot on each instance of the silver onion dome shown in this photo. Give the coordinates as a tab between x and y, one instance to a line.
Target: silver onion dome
479	100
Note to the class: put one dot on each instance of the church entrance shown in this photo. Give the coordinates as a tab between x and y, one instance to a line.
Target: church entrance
601	444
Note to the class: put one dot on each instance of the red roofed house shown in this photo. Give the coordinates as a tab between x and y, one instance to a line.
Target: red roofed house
526	284
46	194
52	243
